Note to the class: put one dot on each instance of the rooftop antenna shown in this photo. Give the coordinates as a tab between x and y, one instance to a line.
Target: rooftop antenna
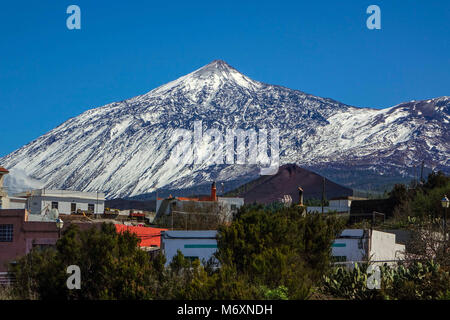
323	192
421	173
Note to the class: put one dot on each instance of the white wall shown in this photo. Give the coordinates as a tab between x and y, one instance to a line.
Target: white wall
238	202
4	202
38	204
351	250
201	244
227	203
342	203
384	247
15	203
354	245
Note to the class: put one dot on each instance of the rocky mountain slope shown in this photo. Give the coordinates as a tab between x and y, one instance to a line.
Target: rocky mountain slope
125	148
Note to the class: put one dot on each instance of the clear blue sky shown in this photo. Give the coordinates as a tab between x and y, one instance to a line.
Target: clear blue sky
125	48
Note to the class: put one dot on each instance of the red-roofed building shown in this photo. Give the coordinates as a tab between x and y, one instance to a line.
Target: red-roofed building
150	237
225	207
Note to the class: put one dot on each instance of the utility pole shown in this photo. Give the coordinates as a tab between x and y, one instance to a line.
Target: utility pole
444	229
323	193
445	224
414	180
421	172
445	204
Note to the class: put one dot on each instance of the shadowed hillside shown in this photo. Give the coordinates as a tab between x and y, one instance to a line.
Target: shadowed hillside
267	189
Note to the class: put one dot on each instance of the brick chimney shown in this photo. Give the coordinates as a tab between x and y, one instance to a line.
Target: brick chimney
213	192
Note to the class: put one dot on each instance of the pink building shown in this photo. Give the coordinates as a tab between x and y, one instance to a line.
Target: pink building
18	235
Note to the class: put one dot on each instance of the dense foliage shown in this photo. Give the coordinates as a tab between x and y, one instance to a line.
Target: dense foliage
423	200
112	267
417	281
262	255
267	252
280	249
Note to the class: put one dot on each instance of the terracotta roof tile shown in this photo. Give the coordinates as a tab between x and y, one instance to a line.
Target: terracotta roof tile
149	236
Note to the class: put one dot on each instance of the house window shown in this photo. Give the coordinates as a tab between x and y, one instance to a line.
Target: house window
91	207
54	205
6	232
233	207
73	207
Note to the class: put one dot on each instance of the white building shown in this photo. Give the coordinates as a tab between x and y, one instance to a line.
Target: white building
192	244
41	201
4	200
230	204
339	204
356	245
17	203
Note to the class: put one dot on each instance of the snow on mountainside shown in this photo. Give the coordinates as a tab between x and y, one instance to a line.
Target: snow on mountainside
416	130
123	148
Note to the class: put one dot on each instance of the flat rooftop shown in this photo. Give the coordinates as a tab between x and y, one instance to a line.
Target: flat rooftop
61	193
195	234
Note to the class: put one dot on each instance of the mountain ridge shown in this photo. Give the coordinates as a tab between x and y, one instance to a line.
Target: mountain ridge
123	147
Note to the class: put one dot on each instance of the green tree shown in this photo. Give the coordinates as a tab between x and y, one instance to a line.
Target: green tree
112	267
264	254
283	248
436	180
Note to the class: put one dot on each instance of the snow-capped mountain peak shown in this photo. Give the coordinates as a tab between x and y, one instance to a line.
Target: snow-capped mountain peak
124	148
209	78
